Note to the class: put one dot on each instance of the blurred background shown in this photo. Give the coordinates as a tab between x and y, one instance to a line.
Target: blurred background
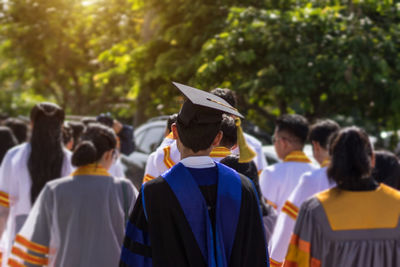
323	59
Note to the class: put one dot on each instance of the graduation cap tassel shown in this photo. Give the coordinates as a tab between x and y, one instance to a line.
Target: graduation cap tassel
246	153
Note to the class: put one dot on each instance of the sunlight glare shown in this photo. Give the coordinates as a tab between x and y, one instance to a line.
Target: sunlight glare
88	2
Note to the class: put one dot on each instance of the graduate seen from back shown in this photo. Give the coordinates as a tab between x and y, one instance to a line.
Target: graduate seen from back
199	213
353	224
310	183
279	180
79	220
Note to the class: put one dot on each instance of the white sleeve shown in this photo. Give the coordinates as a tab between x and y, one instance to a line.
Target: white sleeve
150	171
260	159
67	168
5	183
5	180
287	218
280	238
268	186
119	168
116	169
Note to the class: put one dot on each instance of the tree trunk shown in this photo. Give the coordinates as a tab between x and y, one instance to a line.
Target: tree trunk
143	97
142	100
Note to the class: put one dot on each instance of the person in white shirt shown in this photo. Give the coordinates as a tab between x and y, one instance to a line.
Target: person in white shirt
153	167
27	168
310	183
165	157
169	137
278	181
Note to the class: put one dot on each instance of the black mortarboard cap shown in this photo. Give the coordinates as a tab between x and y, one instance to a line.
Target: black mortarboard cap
202	107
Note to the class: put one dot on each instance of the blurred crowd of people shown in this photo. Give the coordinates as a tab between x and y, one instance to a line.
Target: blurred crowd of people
64	200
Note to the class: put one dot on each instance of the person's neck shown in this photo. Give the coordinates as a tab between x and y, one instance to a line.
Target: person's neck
291	150
189	153
103	164
323	156
323	160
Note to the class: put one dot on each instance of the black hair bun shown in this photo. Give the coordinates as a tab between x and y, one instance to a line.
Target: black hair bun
84	154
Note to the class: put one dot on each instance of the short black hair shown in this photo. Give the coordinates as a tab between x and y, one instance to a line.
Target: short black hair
351	153
226	94
387	169
197	137
171	120
229	130
18	127
322	130
295	125
248	169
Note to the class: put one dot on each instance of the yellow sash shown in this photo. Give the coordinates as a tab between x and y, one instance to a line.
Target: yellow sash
297	156
325	163
220	152
91	169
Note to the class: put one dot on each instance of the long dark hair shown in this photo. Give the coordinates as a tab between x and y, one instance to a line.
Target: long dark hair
95	141
351	154
46	157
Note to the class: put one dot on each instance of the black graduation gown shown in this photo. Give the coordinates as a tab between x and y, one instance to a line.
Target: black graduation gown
159	234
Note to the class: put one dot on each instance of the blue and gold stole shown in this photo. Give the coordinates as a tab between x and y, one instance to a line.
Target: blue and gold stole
193	204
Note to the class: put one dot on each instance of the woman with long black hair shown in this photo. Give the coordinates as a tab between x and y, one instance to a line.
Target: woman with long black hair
79	220
354	224
28	167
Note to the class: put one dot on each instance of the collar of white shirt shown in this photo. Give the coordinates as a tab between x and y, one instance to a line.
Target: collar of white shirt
199	162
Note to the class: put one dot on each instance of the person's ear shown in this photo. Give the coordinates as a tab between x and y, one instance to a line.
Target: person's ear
284	143
217	139
316	146
70	144
373	161
108	155
175	131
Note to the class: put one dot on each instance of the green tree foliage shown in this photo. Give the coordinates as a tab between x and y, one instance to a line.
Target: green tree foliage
172	37
60	45
320	59
325	58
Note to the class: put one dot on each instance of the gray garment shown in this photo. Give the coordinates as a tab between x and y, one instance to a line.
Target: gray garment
269	222
83	219
357	248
